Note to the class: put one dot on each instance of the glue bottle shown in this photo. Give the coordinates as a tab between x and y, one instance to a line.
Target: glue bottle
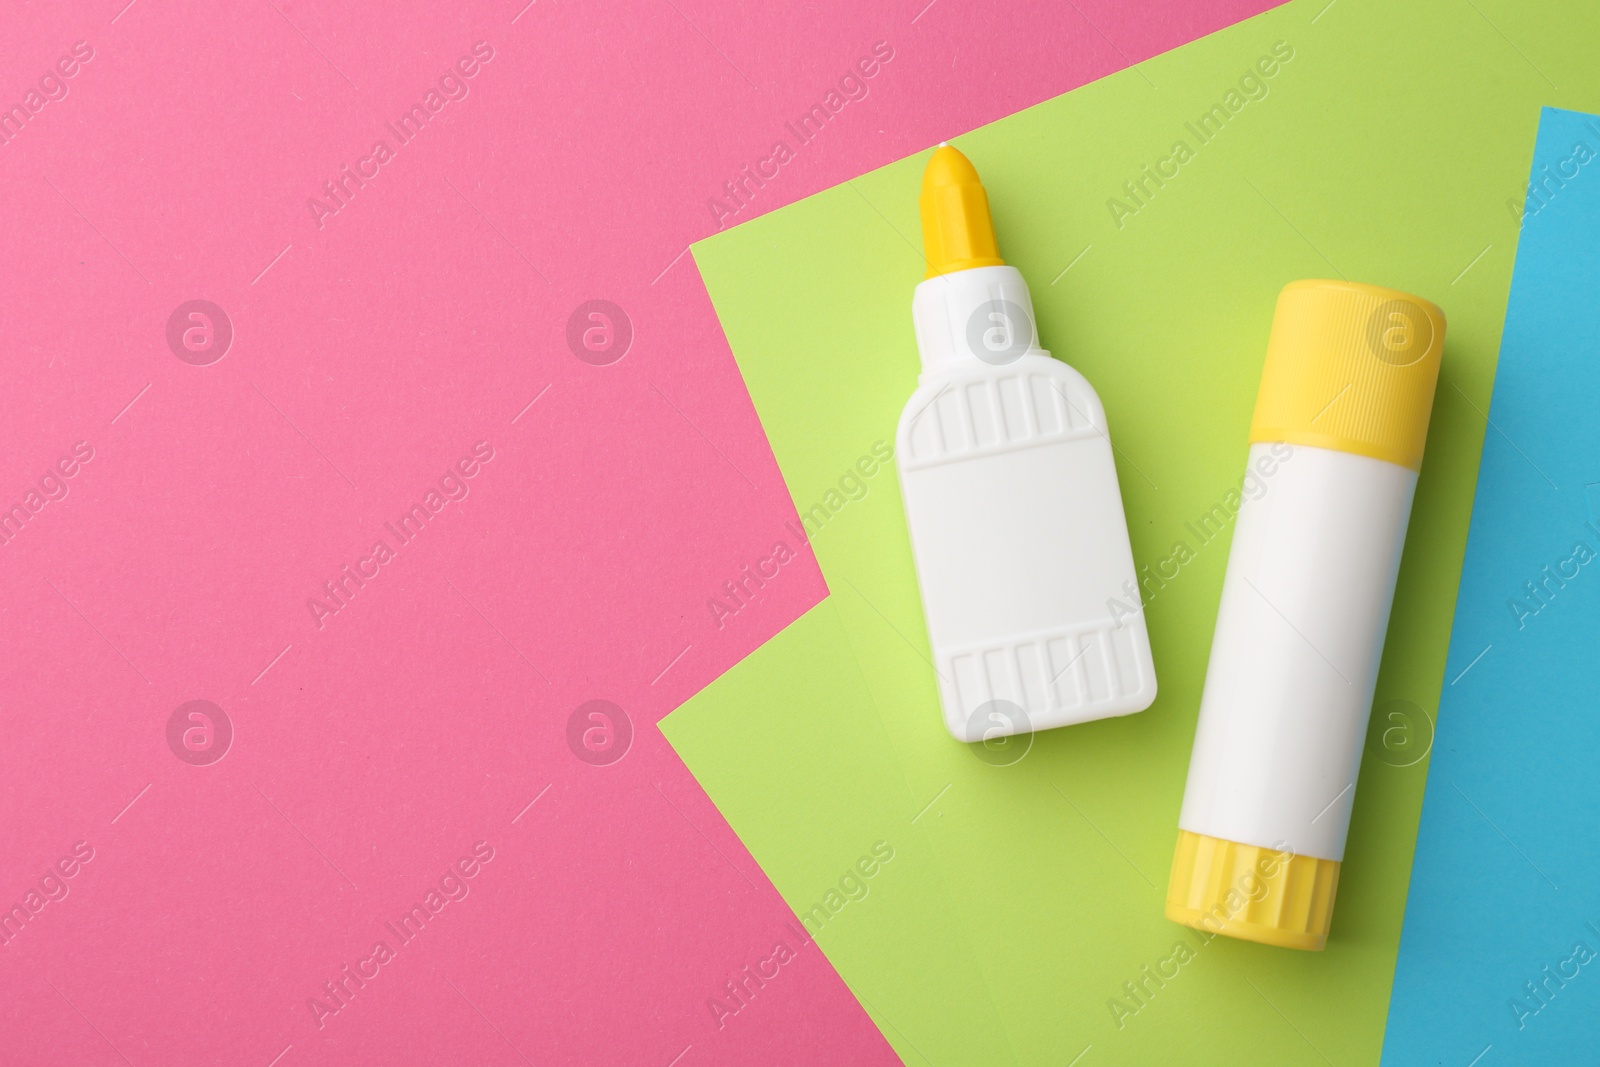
1340	421
1011	497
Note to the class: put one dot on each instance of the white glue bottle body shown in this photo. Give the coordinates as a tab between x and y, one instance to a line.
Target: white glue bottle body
1335	446
1012	503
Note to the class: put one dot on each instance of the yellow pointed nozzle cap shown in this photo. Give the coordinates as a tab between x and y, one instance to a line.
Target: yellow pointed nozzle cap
957	233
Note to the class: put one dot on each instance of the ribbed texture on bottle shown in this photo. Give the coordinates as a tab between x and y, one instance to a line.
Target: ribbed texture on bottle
1245	891
1350	367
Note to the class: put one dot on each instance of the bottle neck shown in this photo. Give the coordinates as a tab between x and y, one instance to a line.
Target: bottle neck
980	316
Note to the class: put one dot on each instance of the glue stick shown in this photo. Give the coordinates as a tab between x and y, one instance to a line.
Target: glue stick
1340	421
1011	497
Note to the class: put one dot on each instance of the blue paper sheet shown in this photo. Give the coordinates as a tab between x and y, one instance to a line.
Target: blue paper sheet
1500	955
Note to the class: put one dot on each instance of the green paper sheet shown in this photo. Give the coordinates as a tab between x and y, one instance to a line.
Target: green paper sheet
1026	924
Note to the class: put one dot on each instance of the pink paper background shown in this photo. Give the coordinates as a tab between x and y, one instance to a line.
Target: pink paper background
369	355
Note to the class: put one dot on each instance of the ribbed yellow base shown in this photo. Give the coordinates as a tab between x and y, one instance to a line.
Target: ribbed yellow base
1252	893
